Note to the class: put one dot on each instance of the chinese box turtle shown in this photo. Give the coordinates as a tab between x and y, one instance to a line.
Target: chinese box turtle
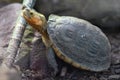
73	40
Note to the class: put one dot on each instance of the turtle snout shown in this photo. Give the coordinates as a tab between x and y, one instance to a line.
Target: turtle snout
28	10
26	13
25	7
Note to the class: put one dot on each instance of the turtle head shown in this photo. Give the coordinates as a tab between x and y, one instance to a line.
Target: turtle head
35	19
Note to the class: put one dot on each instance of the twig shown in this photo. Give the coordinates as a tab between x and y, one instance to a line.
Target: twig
17	36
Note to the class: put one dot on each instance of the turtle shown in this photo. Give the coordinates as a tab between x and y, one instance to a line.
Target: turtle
75	41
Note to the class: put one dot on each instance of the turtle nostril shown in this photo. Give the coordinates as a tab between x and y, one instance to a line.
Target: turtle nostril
31	13
23	7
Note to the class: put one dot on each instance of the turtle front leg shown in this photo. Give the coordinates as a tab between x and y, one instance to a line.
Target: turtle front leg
51	60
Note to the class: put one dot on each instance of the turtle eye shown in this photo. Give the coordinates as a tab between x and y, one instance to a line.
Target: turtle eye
31	13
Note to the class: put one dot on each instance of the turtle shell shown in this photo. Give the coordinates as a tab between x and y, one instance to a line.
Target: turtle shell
80	41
